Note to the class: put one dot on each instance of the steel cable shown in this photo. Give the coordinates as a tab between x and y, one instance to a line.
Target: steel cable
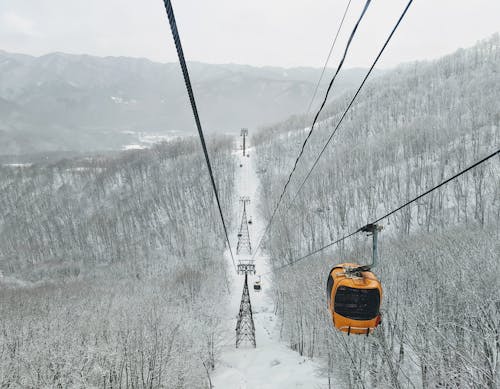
353	32
328	57
406	204
182	61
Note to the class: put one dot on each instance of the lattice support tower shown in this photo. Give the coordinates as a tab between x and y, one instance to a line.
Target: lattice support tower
244	134
244	246
245	328
246	266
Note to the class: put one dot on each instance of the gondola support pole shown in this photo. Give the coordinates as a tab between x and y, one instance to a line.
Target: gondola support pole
373	229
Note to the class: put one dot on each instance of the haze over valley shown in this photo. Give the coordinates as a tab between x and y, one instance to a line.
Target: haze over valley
62	102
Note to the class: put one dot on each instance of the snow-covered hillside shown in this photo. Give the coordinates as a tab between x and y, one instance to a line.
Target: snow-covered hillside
439	266
111	269
114	270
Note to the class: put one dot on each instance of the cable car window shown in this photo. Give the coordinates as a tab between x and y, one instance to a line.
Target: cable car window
329	286
357	304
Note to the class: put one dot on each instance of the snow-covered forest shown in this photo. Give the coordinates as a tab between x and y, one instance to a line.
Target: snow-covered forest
112	269
115	270
439	260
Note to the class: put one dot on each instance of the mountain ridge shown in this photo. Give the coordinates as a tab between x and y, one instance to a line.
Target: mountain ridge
70	98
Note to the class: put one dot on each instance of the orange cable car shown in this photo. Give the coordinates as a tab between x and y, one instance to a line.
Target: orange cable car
354	294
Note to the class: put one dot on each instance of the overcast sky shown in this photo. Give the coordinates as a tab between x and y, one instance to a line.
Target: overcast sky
258	32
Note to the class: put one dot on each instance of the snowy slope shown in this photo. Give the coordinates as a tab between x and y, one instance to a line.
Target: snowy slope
272	364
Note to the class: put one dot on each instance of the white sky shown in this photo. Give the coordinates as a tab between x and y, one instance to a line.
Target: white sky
258	32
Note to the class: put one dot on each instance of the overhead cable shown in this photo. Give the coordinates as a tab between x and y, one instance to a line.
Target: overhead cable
352	101
353	32
328	58
182	61
406	204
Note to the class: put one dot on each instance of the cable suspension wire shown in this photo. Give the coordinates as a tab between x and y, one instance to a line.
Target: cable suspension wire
335	129
353	32
182	61
497	152
351	102
328	57
438	186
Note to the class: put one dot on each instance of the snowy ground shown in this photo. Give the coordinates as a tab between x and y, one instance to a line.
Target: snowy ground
271	364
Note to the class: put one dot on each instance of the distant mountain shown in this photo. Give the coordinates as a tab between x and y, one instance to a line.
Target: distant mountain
80	102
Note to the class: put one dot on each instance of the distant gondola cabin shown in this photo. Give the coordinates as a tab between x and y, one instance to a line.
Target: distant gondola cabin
354	296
